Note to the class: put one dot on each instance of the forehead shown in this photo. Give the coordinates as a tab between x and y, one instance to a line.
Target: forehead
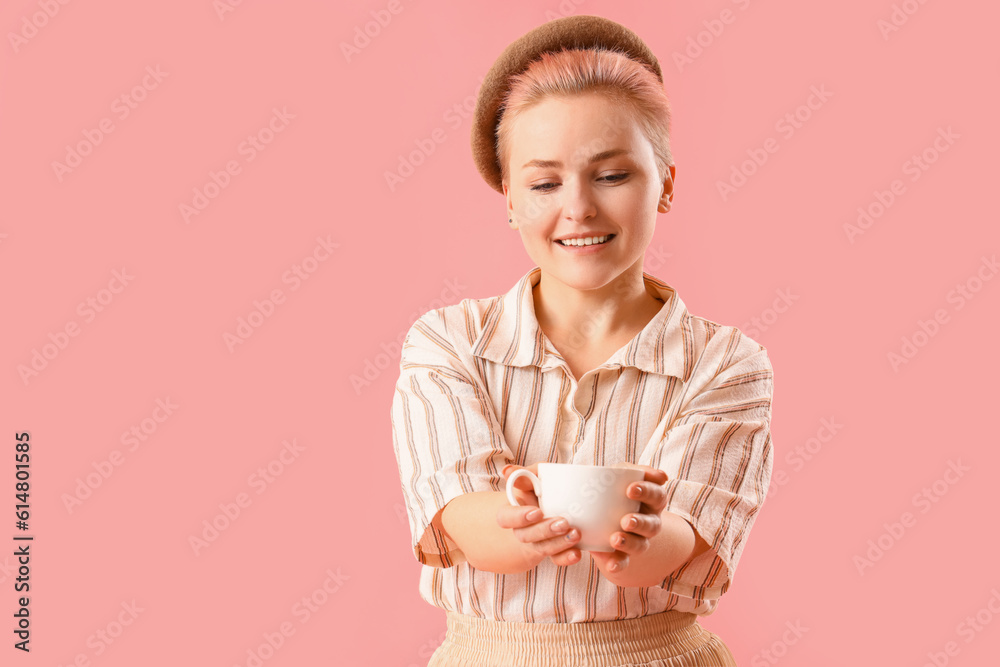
573	128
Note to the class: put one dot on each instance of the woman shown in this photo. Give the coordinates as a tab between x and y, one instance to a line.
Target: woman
587	359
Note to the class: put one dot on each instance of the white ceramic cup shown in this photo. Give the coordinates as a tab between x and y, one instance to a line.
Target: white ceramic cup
591	498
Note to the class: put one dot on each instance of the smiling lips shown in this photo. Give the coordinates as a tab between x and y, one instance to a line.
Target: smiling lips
585	241
586	246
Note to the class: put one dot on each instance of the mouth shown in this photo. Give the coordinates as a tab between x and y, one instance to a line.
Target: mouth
586	242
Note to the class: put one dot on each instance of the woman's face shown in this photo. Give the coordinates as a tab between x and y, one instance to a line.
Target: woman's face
580	167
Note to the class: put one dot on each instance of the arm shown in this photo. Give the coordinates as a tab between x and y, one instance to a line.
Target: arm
658	543
675	545
470	520
718	453
517	539
447	440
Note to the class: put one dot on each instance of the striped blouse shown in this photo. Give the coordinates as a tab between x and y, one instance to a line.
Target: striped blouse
481	386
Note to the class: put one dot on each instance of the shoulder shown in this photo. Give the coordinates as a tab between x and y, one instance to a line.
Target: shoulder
732	374
455	327
726	343
700	334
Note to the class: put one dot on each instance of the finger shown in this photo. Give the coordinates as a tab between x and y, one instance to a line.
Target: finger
509	469
518	517
646	525
551	530
654	496
613	562
523	491
523	484
618	562
570	556
655	475
525	496
629	543
556	544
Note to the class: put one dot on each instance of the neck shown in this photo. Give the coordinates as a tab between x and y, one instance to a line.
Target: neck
597	315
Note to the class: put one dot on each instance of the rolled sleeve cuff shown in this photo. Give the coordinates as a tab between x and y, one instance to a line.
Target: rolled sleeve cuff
721	522
432	546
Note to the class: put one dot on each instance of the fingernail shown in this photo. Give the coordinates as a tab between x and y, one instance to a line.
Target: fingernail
559	525
572	535
632	523
534	515
613	566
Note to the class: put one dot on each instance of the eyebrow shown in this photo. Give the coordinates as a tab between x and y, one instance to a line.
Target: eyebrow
596	157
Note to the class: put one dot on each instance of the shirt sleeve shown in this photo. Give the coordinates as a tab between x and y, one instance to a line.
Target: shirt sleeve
717	455
447	438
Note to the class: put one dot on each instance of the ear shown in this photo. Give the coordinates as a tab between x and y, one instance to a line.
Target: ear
667	196
510	206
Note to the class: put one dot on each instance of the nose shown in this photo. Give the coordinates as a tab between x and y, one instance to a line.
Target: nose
578	200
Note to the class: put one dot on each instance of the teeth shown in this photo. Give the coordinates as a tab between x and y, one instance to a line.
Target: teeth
590	240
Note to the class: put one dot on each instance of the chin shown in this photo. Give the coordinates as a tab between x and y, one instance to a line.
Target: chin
583	278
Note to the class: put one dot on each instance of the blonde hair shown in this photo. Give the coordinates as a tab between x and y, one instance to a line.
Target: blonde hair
627	83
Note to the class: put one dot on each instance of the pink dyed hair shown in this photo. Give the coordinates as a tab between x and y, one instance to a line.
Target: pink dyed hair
629	84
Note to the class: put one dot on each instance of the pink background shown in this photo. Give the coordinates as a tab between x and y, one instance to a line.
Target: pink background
330	516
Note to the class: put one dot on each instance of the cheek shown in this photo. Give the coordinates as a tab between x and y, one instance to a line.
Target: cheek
535	209
532	236
631	203
534	222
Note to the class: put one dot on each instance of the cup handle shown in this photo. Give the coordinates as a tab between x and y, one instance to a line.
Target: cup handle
523	472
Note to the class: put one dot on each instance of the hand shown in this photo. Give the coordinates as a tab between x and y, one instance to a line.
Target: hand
542	537
635	539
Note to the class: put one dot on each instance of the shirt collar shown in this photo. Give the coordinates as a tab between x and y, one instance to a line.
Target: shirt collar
511	334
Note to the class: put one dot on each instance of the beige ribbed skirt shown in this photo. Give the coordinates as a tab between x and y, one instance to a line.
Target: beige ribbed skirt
670	639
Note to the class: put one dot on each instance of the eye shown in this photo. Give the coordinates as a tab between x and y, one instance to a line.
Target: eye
610	178
541	187
614	178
